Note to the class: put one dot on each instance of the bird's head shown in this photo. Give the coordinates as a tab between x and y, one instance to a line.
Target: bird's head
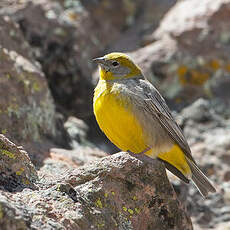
117	66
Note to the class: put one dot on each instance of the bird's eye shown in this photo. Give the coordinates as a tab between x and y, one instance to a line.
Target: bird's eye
115	63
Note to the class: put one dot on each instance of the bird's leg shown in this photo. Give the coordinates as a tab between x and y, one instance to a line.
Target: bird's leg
141	155
144	151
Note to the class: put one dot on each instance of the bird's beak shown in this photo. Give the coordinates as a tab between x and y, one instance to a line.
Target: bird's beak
99	60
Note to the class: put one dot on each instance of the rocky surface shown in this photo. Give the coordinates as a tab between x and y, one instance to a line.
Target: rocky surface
16	169
27	110
102	195
189	57
207	127
45	76
25	97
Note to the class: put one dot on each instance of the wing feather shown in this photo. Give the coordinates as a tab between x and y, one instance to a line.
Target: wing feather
157	106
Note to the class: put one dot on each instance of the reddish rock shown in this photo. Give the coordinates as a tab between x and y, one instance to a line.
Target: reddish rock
115	192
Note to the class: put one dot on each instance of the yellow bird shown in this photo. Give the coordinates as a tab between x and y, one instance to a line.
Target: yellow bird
134	116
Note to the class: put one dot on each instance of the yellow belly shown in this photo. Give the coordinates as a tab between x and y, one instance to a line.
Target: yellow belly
115	118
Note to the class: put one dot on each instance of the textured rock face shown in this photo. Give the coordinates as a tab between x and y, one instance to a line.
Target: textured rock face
147	18
127	193
64	49
190	55
16	169
116	192
27	110
206	125
26	107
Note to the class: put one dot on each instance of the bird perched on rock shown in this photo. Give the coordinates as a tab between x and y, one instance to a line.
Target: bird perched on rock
134	116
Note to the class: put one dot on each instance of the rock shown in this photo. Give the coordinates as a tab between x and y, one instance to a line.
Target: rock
198	111
63	49
11	36
17	171
11	217
27	111
227	176
78	156
206	126
147	18
77	130
113	186
115	192
189	57
223	226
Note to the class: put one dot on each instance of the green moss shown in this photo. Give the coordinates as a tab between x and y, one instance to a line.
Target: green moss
3	131
13	109
58	188
100	225
130	211
37	118
124	208
36	87
20	171
106	195
8	75
25	181
1	212
137	210
99	203
7	153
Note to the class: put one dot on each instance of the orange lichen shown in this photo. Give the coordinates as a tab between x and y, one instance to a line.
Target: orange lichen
214	64
182	70
198	78
193	77
227	67
199	74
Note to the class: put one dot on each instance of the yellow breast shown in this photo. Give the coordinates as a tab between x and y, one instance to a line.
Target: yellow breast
115	118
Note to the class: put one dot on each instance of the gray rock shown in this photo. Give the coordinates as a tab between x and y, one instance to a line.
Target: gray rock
16	169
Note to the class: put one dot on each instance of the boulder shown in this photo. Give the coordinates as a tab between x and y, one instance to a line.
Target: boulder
115	192
27	111
16	169
206	126
147	18
189	55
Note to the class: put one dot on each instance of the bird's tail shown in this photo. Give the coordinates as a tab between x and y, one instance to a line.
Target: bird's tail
200	180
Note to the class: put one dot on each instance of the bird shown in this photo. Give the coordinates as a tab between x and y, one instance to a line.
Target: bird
135	117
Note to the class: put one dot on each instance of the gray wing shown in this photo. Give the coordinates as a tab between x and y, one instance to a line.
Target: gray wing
156	105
